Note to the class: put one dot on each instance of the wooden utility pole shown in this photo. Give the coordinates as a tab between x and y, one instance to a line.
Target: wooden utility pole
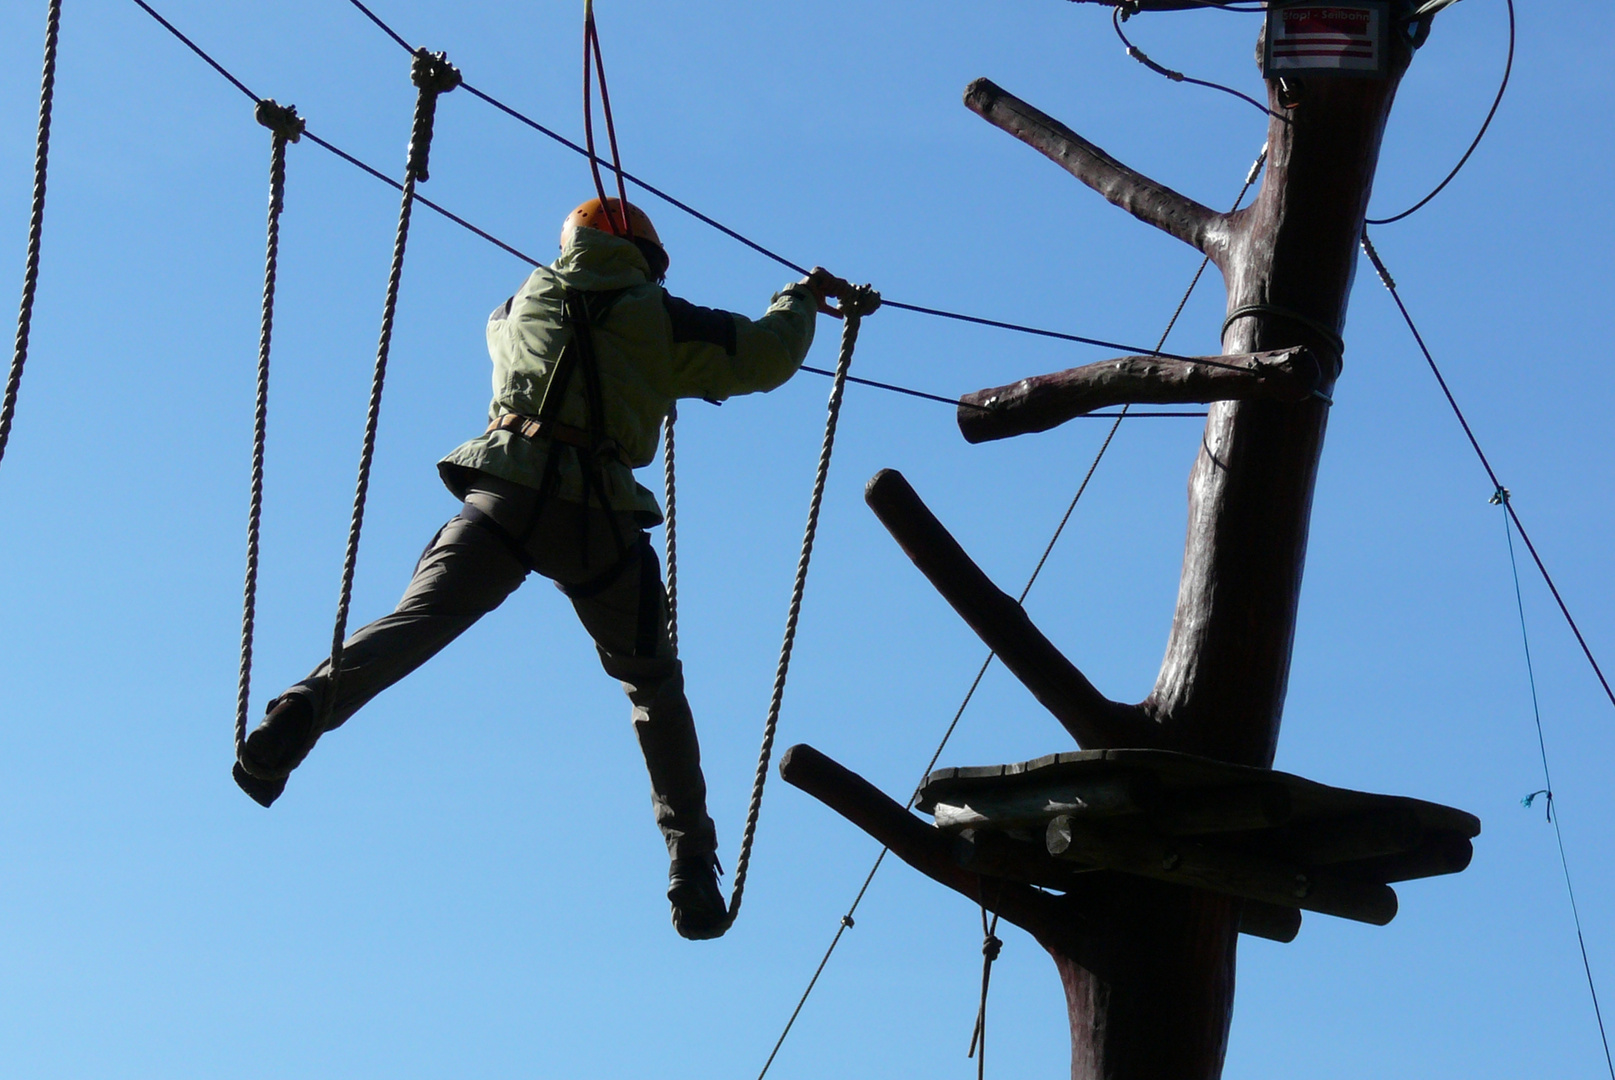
1147	962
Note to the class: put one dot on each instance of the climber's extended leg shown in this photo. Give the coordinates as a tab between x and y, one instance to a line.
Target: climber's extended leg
466	571
627	616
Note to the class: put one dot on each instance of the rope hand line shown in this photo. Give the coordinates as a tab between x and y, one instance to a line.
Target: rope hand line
432	75
284	126
36	225
862	301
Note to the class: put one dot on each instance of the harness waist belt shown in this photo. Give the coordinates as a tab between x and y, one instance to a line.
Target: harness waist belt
531	428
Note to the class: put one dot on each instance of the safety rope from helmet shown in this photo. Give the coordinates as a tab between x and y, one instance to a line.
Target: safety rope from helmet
862	301
591	52
284	126
36	225
432	75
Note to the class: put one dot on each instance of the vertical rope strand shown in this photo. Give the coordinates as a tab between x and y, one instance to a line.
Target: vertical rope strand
433	75
853	310
36	225
671	541
1501	498
284	126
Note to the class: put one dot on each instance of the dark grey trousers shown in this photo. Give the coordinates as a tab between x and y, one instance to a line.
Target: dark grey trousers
471	566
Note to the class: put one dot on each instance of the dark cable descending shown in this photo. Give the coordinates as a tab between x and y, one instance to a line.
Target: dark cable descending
1508	69
1390	285
1501	498
1177	76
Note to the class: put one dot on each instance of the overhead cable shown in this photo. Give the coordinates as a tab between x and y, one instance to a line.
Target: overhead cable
1508	69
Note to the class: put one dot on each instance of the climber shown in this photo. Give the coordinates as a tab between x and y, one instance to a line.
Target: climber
588	358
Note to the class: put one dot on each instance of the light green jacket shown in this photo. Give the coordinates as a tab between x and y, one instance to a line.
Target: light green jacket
652	349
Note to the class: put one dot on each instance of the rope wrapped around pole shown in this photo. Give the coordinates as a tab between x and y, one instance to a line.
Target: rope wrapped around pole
860	302
432	75
36	225
285	126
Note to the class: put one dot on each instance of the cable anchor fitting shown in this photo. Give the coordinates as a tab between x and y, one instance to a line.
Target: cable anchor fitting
282	120
1500	497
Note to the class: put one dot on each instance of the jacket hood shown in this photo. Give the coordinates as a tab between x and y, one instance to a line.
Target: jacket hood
593	260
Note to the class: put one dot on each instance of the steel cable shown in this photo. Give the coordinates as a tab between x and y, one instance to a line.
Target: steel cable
36	225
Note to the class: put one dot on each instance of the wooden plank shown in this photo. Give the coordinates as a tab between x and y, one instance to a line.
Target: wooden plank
1234	873
1016	805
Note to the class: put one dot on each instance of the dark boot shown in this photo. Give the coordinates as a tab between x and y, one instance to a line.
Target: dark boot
276	747
262	792
699	912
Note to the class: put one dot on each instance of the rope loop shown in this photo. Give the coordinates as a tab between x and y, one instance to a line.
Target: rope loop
432	74
282	120
860	301
284	125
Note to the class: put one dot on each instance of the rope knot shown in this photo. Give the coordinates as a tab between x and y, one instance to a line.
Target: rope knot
433	74
991	947
863	300
432	71
281	120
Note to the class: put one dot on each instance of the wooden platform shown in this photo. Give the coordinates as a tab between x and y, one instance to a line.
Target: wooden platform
1281	842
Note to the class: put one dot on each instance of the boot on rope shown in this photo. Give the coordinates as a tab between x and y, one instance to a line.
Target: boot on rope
699	913
276	747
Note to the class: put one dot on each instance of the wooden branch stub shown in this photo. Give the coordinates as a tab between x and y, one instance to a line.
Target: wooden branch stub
1270	921
1091	718
923	847
1150	202
1289	376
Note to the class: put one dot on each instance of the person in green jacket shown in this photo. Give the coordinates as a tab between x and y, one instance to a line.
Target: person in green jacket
588	358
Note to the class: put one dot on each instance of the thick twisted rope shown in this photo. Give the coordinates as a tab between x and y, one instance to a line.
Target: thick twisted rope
853	308
432	74
36	225
285	126
671	516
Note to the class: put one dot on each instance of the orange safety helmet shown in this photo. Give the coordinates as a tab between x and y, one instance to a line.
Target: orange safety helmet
607	217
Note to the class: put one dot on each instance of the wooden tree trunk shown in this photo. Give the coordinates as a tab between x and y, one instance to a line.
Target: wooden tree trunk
1150	977
1148	968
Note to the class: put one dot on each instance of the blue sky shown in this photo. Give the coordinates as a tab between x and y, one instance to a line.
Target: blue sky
465	880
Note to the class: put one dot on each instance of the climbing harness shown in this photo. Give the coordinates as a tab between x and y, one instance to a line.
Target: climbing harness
285	126
36	225
432	75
